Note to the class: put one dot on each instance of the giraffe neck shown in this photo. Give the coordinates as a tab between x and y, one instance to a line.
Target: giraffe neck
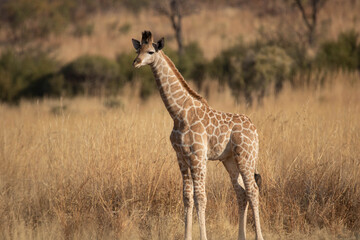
173	89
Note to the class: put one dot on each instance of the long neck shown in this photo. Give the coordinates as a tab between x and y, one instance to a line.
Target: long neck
173	89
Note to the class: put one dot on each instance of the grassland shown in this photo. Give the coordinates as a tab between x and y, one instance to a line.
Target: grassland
95	168
76	169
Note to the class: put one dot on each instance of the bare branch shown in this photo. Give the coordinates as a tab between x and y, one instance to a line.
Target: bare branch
311	21
175	10
182	7
300	6
162	10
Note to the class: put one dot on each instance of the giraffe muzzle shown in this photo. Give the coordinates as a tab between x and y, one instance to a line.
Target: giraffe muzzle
137	62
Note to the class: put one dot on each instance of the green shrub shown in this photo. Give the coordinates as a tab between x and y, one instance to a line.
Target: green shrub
148	83
272	66
343	53
50	85
92	75
293	47
113	103
126	69
30	19
192	64
38	18
83	30
125	28
130	74
27	75
226	67
252	69
135	6
27	20
302	63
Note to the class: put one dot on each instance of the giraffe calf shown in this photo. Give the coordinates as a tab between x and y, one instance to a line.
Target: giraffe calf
202	133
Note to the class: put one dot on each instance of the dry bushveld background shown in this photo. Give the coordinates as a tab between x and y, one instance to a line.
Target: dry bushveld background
103	168
215	28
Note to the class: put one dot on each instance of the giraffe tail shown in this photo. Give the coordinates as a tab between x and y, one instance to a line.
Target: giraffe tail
258	180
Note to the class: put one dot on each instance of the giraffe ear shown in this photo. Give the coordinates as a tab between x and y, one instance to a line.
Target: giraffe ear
136	44
161	44
155	46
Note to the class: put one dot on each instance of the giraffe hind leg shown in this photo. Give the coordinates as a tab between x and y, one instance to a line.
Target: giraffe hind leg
258	180
236	180
246	167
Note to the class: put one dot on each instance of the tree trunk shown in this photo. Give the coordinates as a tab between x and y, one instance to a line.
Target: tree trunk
176	18
311	23
176	23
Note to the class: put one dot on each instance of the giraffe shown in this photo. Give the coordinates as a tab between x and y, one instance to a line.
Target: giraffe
202	133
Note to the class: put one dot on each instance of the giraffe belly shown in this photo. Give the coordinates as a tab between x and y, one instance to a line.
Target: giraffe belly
219	151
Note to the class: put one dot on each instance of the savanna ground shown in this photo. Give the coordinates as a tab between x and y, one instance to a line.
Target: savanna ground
98	168
76	169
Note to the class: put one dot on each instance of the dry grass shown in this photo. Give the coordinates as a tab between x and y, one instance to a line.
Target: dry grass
74	169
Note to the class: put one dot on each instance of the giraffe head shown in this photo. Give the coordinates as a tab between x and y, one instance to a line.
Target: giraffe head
147	50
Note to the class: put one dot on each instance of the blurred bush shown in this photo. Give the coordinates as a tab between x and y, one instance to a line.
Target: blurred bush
28	75
38	18
250	70
226	67
293	46
26	20
272	66
135	6
125	28
83	30
92	75
148	83
113	103
132	75
192	64
126	70
343	53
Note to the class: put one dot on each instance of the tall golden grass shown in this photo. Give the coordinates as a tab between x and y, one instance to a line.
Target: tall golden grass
75	169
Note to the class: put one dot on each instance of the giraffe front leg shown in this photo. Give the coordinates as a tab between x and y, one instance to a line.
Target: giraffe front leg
188	193
198	173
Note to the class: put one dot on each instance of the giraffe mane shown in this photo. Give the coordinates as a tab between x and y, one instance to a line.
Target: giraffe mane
182	80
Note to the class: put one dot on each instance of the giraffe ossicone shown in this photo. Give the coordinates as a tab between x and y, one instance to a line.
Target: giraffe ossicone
202	133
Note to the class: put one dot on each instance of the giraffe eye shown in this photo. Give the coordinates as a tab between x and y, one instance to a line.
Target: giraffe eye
150	52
